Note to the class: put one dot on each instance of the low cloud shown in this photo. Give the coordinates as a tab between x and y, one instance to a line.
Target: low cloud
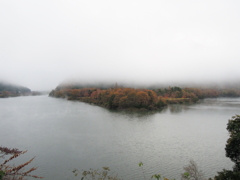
46	42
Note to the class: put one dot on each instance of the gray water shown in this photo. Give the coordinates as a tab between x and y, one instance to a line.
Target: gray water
64	135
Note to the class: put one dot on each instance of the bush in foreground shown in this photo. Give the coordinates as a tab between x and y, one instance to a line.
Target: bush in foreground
9	172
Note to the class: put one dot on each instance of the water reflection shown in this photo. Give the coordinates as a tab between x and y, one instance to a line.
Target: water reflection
175	108
136	114
85	136
209	103
221	103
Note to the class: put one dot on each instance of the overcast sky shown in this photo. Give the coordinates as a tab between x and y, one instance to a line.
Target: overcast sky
45	42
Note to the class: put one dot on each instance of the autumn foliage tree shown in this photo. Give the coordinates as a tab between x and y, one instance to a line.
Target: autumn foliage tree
124	98
112	98
11	172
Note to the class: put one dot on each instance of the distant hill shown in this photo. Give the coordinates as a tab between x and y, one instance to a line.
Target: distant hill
10	90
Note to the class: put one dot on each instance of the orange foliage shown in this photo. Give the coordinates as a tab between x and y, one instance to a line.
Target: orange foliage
142	98
113	98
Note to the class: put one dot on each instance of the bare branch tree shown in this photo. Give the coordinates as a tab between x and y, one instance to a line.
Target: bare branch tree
192	172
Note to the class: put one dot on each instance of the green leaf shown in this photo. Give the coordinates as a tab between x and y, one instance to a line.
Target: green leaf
186	174
2	174
157	176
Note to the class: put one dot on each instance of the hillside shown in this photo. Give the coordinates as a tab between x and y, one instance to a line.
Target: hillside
10	90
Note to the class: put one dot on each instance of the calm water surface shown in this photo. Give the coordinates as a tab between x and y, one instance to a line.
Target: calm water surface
64	135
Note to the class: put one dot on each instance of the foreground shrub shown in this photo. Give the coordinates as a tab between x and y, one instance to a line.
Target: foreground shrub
192	172
10	172
232	150
227	175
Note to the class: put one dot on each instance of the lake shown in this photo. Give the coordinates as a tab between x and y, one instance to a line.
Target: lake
64	135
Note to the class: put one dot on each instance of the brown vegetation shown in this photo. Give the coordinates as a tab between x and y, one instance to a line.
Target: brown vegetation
144	99
9	172
112	98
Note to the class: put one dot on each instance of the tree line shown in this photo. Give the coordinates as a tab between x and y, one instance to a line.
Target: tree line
123	98
113	98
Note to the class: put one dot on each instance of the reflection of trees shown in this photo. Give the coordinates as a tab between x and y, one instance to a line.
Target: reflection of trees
222	102
136	113
177	108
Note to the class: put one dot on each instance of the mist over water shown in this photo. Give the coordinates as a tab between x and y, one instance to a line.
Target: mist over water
160	42
137	44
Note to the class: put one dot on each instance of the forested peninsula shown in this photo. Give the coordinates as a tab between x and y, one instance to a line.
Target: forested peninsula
10	90
143	99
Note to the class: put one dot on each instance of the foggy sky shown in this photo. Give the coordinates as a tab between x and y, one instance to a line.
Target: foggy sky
45	42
